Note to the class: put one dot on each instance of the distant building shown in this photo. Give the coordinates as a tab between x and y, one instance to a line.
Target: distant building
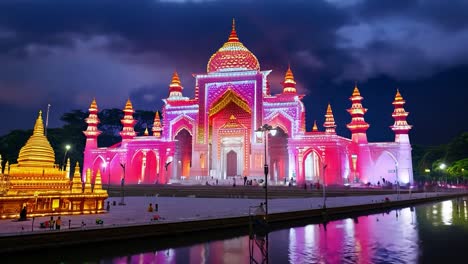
37	183
213	134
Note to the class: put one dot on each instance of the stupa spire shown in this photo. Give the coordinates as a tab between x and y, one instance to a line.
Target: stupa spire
157	128
289	84
37	152
87	184
233	36
315	128
92	131
175	88
77	183
401	126
358	125
329	124
67	169
128	122
97	187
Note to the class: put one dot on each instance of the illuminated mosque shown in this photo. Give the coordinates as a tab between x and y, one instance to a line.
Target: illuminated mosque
212	135
40	186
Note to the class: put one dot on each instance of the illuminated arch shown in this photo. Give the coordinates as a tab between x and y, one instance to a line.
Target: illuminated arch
228	97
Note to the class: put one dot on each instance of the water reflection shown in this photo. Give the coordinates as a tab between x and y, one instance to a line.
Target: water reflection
430	233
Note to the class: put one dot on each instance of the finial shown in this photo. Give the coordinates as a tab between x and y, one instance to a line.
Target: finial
314	128
40	112
233	36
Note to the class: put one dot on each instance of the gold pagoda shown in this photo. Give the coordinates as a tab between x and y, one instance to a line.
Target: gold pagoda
38	184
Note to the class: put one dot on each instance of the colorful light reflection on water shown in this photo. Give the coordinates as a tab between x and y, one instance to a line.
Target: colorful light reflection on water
429	233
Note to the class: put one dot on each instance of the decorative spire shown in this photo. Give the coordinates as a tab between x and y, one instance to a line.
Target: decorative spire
146	132
128	122
399	114
358	125
92	131
87	184
37	152
67	169
97	187
77	183
329	124
157	127
289	84
314	128
175	88
233	36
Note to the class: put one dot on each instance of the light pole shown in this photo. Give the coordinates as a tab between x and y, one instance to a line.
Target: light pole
263	131
442	167
67	148
324	197
397	181
122	183
104	166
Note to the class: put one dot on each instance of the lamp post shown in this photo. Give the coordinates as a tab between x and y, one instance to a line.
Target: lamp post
122	183
442	167
263	131
324	197
67	148
104	166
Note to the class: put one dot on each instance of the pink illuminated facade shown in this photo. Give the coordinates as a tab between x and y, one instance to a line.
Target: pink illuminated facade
212	136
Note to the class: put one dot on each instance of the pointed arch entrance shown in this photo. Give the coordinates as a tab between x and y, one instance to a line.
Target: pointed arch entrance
231	163
183	152
312	167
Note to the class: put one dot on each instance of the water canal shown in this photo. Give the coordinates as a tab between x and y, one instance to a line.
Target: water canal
427	233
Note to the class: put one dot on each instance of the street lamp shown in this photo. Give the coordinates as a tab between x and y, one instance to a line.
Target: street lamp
108	173
67	148
442	166
122	183
263	131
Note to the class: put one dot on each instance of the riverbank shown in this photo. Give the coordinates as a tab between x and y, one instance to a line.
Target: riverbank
190	215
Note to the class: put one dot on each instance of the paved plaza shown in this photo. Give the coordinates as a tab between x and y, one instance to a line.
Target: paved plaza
175	209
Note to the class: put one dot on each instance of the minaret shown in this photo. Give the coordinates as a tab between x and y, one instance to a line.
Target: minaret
77	182
128	122
289	84
400	127
329	124
358	125
92	131
175	88
157	128
314	128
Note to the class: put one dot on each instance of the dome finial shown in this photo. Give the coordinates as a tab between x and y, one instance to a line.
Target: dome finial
233	36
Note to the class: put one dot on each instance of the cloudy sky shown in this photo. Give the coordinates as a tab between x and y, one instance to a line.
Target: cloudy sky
67	52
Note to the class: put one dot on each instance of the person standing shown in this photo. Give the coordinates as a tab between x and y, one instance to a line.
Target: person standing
51	223
58	223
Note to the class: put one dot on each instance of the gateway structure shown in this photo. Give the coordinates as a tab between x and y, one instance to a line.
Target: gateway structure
212	136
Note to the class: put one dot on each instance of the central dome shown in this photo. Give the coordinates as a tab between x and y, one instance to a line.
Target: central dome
232	56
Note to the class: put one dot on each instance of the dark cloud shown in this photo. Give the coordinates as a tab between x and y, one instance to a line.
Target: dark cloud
68	52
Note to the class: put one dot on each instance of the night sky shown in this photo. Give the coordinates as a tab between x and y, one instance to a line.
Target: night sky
67	52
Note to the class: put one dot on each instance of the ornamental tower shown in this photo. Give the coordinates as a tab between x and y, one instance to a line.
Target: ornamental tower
157	128
400	127
128	122
358	125
289	84
315	128
329	124
175	88
92	131
77	186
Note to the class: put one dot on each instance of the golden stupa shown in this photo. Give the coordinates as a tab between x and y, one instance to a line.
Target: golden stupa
37	183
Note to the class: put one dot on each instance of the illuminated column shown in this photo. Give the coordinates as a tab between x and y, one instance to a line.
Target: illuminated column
143	168
67	169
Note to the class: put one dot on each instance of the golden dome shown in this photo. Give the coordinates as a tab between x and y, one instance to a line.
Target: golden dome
233	55
37	152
